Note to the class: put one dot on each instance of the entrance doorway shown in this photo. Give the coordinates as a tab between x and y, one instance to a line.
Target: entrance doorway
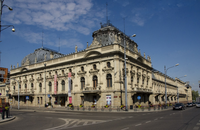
62	101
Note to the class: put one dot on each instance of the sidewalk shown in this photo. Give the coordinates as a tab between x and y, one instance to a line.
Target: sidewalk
88	109
6	119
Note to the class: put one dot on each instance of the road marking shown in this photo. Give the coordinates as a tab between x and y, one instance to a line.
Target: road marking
198	123
156	119
161	117
130	116
195	128
148	121
125	128
138	124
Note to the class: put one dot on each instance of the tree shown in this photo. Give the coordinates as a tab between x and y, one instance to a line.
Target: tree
195	94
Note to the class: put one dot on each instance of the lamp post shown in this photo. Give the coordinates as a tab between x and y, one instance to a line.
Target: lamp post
126	108
5	26
165	81
45	81
177	88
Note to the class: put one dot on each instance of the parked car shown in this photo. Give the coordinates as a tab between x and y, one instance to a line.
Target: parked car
197	104
179	106
194	104
189	104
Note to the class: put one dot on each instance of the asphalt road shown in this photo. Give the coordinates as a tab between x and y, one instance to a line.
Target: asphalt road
188	119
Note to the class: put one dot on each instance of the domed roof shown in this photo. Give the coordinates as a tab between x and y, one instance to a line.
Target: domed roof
39	55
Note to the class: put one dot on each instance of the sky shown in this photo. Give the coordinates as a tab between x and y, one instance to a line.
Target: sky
167	30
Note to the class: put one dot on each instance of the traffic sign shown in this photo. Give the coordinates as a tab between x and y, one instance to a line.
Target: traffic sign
0	93
49	95
27	97
138	97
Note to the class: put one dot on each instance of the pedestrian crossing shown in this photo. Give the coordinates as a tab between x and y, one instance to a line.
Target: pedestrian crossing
70	123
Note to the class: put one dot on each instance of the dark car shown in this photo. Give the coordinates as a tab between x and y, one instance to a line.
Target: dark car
179	106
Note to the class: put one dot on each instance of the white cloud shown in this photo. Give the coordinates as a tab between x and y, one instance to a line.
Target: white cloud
51	14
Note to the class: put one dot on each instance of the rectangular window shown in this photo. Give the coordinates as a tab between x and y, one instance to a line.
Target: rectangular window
108	99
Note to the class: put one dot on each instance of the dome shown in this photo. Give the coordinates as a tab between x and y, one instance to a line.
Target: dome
39	55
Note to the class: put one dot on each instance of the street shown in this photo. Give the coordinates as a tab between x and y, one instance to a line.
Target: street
188	119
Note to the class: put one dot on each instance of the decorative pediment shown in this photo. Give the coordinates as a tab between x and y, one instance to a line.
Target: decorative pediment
138	73
81	73
92	53
108	69
13	82
132	72
92	71
39	78
25	80
31	80
143	75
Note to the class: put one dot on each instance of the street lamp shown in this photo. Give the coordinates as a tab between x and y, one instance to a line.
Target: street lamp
165	81
126	108
177	88
6	26
45	81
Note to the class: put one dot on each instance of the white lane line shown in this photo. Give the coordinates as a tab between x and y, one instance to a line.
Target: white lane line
161	117
130	117
173	113
138	124
148	121
85	123
198	123
156	119
125	128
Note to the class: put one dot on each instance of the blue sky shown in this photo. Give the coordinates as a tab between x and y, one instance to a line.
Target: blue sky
167	30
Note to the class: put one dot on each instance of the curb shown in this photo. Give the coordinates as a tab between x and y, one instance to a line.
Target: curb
7	119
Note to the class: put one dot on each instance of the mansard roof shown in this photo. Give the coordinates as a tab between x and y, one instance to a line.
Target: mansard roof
39	55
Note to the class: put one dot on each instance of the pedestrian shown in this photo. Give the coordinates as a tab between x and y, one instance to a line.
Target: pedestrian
7	109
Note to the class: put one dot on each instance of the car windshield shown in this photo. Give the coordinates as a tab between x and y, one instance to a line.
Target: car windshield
198	103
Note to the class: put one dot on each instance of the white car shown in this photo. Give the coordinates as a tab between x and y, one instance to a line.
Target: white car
198	104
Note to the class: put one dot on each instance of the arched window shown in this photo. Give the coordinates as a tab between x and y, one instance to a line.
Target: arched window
95	81
82	82
50	86
109	80
82	68
108	64
40	85
94	67
63	85
14	88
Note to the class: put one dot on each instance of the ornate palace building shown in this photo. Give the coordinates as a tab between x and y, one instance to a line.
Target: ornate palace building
97	75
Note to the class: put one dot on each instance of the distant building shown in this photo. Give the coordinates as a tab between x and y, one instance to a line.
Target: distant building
3	77
97	75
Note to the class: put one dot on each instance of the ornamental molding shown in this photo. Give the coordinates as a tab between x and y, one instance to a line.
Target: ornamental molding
25	80
106	69
132	72
31	80
92	71
81	73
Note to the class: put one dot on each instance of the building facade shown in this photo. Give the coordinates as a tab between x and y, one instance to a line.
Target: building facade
97	75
